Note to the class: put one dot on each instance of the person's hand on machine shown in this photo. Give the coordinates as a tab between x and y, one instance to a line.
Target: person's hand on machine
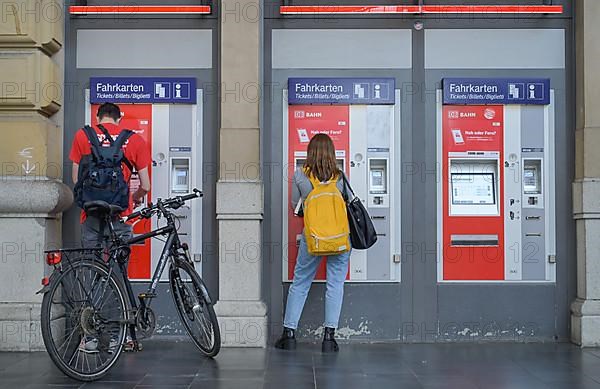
137	201
143	189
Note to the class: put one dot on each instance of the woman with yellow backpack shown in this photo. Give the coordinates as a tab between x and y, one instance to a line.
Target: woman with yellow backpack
317	194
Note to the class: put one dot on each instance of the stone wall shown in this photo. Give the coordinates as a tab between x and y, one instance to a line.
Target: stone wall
32	195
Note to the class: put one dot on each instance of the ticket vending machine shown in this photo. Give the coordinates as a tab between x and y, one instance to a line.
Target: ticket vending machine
167	113
362	118
496	211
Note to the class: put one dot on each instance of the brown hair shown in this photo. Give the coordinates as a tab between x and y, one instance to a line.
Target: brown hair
320	159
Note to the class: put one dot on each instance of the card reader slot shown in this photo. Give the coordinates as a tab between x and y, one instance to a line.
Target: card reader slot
474	240
536	234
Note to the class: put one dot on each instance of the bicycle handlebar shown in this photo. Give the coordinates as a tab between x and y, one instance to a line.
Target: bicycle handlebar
133	215
173	202
193	195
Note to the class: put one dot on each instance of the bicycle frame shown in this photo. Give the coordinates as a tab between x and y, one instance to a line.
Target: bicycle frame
144	299
172	240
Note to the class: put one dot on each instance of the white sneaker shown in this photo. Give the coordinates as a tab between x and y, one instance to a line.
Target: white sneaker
112	345
88	345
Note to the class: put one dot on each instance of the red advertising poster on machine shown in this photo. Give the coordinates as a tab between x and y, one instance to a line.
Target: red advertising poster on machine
138	117
472	192
305	121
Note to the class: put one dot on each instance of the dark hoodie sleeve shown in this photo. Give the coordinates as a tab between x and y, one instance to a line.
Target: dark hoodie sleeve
295	190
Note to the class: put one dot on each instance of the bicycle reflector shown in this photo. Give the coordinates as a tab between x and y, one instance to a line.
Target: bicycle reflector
45	281
53	258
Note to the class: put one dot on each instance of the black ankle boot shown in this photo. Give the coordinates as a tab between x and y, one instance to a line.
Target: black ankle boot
287	340
329	343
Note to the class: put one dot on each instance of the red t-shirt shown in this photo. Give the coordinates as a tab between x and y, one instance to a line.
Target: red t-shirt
135	149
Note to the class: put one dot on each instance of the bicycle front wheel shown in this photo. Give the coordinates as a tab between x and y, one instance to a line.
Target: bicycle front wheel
84	318
194	307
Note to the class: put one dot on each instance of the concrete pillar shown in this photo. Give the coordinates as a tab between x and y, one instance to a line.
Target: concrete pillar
585	318
241	310
32	196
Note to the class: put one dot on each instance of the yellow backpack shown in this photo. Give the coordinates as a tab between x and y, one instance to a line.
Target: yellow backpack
326	227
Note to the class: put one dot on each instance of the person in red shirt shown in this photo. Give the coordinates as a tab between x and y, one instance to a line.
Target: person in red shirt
135	150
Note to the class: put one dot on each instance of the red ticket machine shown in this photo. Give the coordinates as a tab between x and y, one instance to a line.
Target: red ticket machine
473	192
362	117
138	118
304	122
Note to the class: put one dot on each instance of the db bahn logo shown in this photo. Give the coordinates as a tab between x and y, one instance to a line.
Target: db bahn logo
489	113
299	114
453	115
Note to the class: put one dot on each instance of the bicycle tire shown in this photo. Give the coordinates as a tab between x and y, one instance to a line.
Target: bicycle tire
202	302
115	344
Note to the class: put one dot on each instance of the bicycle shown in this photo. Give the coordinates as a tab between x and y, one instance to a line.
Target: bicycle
87	308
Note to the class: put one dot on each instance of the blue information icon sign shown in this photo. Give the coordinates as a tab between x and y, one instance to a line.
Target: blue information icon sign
181	90
535	91
496	91
341	90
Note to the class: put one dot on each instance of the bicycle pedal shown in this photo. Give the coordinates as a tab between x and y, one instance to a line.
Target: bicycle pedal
131	346
146	295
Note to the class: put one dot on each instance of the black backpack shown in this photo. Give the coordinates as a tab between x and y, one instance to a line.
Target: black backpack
100	175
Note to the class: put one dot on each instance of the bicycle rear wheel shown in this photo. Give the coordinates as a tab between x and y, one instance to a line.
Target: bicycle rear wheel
84	319
194	307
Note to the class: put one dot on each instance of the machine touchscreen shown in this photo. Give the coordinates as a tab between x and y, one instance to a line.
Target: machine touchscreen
473	189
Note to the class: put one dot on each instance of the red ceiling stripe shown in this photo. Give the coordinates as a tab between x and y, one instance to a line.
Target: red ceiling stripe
138	9
415	9
329	9
349	9
495	9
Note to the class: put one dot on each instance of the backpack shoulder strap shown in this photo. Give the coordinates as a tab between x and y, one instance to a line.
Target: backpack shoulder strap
313	180
122	138
118	144
106	134
93	138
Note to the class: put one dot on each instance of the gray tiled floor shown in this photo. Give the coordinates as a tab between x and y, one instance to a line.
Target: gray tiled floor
171	364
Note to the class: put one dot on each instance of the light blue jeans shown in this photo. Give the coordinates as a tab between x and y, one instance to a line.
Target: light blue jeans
304	273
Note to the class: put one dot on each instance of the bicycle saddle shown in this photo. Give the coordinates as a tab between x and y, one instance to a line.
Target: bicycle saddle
101	208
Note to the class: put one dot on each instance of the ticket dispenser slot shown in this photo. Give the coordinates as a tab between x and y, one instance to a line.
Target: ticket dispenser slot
378	182
339	162
180	175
